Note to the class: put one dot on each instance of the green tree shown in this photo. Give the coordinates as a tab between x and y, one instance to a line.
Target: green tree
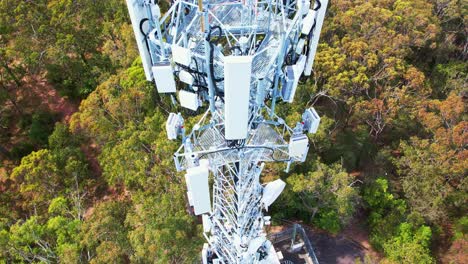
47	173
122	117
161	229
327	194
42	125
410	246
133	159
104	233
122	100
433	170
40	239
386	212
429	180
62	39
391	231
362	61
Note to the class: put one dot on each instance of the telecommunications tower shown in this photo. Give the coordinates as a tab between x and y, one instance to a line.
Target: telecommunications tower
242	57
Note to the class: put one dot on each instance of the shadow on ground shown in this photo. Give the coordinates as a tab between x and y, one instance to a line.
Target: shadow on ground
335	249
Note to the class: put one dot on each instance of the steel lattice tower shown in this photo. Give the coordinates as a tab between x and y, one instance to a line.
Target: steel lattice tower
242	58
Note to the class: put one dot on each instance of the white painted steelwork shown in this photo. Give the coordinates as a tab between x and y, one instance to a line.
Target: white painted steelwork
241	57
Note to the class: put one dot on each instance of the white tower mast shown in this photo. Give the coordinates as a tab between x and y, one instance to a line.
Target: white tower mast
241	57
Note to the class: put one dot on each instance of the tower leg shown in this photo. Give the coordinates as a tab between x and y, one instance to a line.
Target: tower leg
237	220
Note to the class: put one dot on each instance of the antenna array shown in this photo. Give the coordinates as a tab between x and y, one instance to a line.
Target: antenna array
241	58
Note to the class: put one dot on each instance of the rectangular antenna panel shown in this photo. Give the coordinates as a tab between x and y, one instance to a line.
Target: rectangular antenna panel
137	14
206	223
173	125
185	77
288	90
303	6
189	100
311	120
315	37
181	55
189	198
164	78
308	22
237	74
300	65
300	46
197	187
260	95
298	147
205	253
293	74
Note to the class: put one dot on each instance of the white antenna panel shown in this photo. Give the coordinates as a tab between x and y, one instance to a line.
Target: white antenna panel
237	73
300	46
311	120
189	100
316	36
299	146
205	253
181	55
197	185
173	125
300	65
186	77
303	6
308	22
137	13
206	223
164	78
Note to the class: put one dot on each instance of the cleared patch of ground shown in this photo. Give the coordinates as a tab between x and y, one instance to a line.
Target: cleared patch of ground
335	249
347	247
